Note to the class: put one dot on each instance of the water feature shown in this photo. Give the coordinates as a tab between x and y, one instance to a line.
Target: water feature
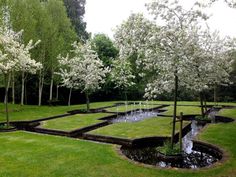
212	114
187	139
135	116
190	158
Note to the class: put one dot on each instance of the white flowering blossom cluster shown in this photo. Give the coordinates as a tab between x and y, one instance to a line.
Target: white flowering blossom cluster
14	55
121	74
84	70
230	3
210	63
178	50
132	36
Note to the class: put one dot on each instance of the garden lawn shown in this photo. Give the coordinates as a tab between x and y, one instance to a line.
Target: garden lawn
223	135
189	103
25	154
187	110
124	108
228	113
159	126
32	112
29	112
74	122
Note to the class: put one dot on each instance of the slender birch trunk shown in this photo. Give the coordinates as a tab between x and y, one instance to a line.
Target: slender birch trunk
126	98
175	111
25	94
205	103
57	92
22	88
215	95
6	80
51	88
41	83
201	103
87	101
69	96
13	88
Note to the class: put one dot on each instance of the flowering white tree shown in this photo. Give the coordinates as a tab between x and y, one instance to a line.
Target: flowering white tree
25	64
67	74
132	36
165	49
121	75
209	65
14	56
84	70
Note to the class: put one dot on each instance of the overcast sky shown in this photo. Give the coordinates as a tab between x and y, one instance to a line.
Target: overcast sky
104	15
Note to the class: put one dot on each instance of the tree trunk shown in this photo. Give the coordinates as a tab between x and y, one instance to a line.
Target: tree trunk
8	85
87	101
57	94
51	88
13	88
69	96
175	111
6	80
126	99
22	88
41	83
201	103
215	95
205	103
25	94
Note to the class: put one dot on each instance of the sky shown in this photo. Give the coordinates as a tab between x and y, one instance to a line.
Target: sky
102	16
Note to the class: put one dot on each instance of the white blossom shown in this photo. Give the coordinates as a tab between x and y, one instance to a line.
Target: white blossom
121	74
15	55
84	70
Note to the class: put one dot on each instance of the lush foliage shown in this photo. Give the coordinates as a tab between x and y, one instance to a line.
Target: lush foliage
168	150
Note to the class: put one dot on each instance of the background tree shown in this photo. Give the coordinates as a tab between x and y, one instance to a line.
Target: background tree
48	21
14	55
131	38
76	10
60	39
105	48
26	65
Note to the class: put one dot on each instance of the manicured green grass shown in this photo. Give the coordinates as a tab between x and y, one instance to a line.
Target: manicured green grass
26	154
124	108
191	103
73	122
223	135
29	112
159	126
185	109
228	113
36	155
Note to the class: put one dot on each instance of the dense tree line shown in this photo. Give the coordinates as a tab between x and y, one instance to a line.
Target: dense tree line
57	24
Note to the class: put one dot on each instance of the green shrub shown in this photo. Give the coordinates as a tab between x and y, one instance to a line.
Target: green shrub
167	150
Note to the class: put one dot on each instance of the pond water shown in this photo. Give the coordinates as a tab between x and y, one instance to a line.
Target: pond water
135	116
190	158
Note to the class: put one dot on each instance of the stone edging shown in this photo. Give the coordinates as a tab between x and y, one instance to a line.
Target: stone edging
225	157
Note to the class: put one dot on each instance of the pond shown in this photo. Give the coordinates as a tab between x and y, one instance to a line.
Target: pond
135	116
190	158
